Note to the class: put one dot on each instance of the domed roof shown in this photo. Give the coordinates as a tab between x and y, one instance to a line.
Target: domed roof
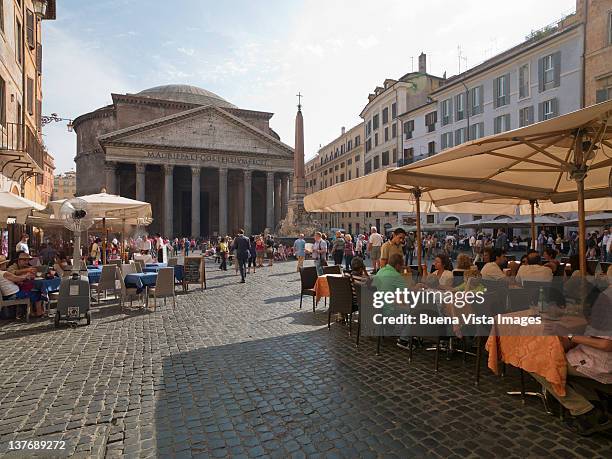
185	93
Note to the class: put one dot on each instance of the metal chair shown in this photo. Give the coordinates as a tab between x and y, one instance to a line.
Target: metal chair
139	265
128	268
340	299
127	292
108	281
164	287
308	279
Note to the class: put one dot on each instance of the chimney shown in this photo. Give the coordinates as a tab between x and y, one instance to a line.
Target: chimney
422	63
342	130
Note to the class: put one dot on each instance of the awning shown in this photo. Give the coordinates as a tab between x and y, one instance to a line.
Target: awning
15	207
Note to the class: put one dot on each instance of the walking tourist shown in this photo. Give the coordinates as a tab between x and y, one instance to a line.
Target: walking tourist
319	252
270	249
223	254
260	250
349	251
375	242
252	254
338	248
159	248
299	247
241	246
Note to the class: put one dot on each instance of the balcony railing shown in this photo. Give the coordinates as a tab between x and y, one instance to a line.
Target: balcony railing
12	139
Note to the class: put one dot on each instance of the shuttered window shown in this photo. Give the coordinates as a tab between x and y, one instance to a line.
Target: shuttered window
459	107
376	163
385	115
476	100
431	148
394	130
446	140
30	29
375	122
30	95
385	158
548	109
39	58
393	110
18	41
523	81
2	101
526	116
394	155
387	134
447	112
460	136
408	129
501	91
430	121
476	131
549	71
501	123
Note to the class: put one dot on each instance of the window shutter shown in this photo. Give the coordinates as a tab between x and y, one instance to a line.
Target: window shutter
541	74
507	89
601	95
457	137
555	106
450	110
530	115
481	99
30	96
495	92
557	64
541	111
30	29
522	121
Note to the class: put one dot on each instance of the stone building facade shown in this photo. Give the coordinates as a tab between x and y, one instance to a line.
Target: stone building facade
336	162
64	186
597	49
206	166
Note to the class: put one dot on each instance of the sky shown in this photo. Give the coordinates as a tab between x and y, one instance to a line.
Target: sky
260	54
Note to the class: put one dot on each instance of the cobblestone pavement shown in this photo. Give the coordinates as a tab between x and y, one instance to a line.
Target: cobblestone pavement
238	370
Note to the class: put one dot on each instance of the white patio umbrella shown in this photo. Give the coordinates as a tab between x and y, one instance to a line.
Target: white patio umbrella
593	220
110	206
16	207
568	158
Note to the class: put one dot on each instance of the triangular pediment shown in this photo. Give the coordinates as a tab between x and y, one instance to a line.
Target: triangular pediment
205	128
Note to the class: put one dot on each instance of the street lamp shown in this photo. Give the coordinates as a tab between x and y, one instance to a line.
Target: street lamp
40	8
54	118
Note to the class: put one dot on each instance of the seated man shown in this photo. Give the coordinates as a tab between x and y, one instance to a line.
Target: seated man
493	270
550	259
10	289
21	265
589	371
533	271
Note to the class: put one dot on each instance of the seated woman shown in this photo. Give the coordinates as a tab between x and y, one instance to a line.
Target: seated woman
441	277
464	263
16	287
550	260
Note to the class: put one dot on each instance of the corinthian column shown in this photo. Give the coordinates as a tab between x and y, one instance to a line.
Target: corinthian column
284	195
140	181
270	200
195	201
248	200
168	201
222	201
110	167
277	200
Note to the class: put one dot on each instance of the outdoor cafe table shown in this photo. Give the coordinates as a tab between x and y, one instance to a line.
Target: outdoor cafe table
94	274
140	280
321	287
154	267
534	348
46	286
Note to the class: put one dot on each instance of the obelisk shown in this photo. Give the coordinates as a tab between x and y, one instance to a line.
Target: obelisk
298	159
299	189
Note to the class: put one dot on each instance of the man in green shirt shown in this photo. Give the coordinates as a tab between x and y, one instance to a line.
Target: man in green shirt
393	246
389	278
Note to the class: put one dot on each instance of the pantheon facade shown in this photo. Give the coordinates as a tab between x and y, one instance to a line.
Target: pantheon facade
206	166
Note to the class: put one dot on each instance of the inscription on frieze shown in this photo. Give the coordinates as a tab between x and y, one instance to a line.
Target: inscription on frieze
206	158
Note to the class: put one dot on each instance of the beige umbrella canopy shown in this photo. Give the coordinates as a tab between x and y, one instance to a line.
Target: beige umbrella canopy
13	206
568	158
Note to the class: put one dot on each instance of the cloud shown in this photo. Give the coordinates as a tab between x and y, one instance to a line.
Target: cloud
368	43
186	51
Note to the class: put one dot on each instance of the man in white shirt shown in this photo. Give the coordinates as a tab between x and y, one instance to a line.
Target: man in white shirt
609	249
22	245
374	244
533	271
473	244
319	252
493	269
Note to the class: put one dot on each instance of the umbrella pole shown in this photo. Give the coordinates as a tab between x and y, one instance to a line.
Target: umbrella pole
417	202
578	175
105	243
533	227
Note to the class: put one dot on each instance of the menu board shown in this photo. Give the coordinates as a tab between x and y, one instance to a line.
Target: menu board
194	272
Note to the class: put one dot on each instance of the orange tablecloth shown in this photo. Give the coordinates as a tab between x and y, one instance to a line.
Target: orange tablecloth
322	286
520	347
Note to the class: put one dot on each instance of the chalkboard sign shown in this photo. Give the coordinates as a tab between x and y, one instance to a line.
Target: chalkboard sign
194	272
